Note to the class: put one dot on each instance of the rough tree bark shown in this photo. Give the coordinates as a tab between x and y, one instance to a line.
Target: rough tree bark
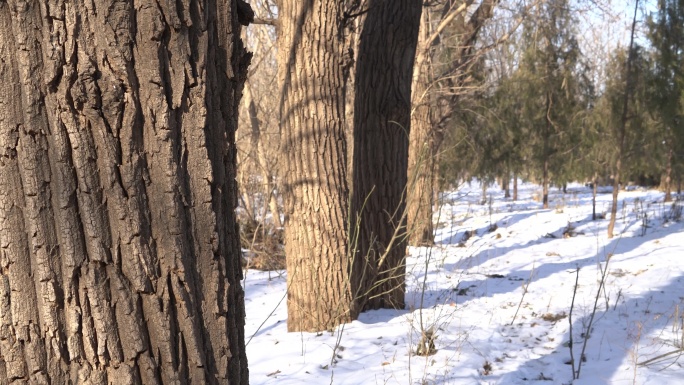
119	252
382	117
312	71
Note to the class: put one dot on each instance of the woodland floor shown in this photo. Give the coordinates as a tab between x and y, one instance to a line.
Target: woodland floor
499	302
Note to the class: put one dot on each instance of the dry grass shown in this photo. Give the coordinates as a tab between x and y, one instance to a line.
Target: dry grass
265	245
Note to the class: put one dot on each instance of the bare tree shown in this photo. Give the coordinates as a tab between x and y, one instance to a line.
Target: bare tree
258	136
120	258
436	91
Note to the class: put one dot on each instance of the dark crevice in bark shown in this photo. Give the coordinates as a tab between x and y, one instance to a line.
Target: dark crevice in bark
182	368
174	329
194	34
163	58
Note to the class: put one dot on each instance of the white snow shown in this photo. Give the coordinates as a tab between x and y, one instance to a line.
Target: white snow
470	296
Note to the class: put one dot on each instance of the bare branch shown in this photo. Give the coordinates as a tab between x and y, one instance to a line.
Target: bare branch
266	21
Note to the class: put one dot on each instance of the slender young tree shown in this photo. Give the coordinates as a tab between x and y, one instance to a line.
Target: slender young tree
120	260
421	142
258	136
382	118
620	131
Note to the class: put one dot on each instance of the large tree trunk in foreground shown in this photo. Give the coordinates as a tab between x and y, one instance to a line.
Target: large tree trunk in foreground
382	116
421	166
120	256
312	68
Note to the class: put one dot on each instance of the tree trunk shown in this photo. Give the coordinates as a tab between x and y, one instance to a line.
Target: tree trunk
353	43
483	200
593	197
667	185
545	184
273	205
545	166
621	129
616	190
120	259
382	118
421	143
515	187
312	68
505	182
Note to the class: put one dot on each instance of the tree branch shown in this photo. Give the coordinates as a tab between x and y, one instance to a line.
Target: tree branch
266	21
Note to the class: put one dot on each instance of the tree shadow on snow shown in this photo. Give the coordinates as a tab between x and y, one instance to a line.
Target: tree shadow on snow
489	285
457	234
486	252
623	333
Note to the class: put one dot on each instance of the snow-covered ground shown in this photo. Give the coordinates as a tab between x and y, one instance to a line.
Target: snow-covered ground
470	294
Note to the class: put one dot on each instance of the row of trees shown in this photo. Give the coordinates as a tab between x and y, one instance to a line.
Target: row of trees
120	257
549	112
336	270
495	92
359	136
119	249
